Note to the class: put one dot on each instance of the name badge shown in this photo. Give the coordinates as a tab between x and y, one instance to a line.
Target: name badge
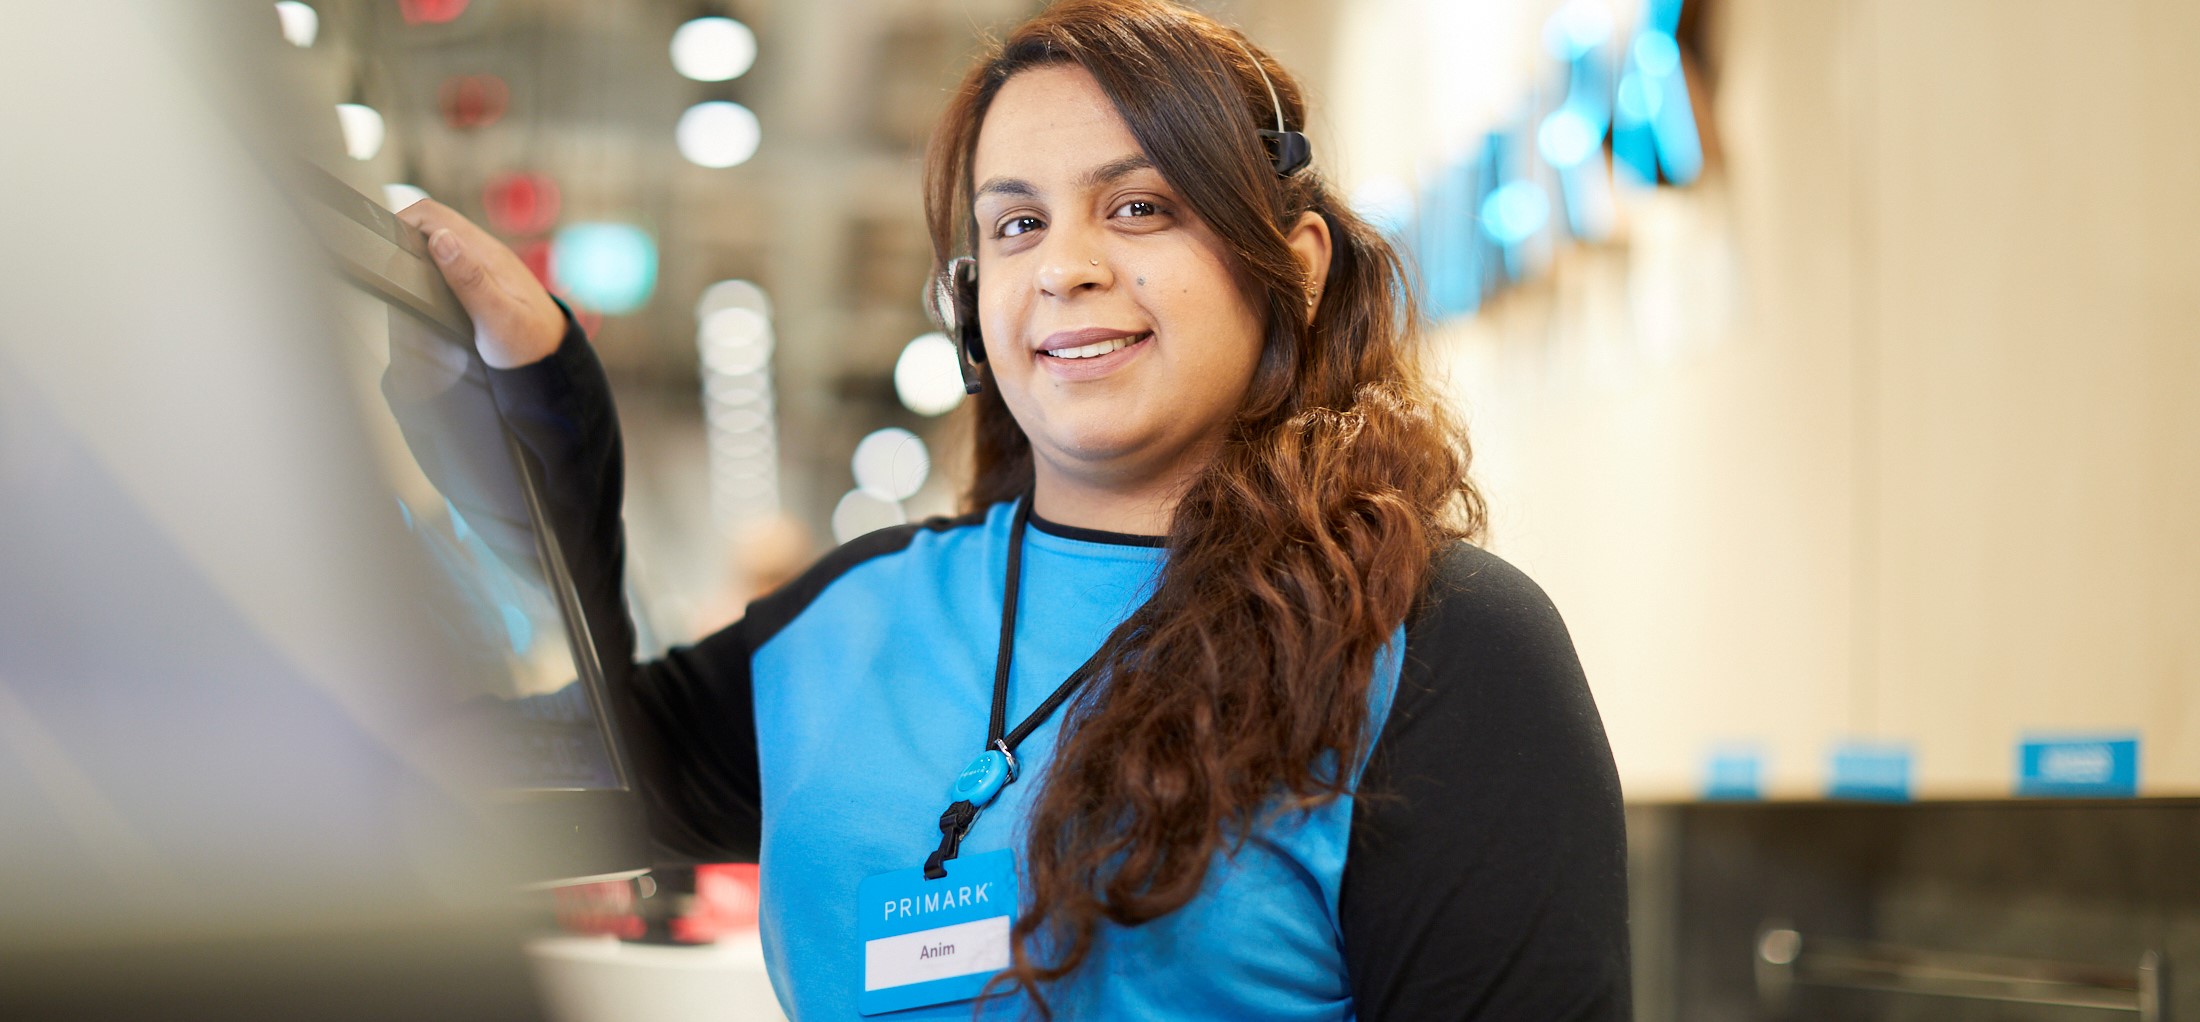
929	942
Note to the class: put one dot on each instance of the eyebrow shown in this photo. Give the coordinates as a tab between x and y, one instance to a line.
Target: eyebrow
1106	173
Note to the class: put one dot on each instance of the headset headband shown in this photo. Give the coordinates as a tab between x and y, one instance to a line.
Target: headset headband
1288	151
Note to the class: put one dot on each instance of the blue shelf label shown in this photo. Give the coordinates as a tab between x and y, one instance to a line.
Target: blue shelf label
2078	767
1734	775
1872	772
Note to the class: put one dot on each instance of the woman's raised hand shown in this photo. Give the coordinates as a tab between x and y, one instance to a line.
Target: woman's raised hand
515	322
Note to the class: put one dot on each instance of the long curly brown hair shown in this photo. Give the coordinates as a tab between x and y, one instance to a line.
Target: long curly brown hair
1238	688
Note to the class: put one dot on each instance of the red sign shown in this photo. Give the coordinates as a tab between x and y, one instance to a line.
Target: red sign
430	12
472	101
521	203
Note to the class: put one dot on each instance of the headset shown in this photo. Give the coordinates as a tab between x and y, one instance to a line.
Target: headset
952	298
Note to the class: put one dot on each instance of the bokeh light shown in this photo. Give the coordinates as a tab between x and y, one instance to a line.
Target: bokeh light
928	375
362	127
1567	136
713	49
891	464
472	101
520	202
859	513
1657	54
718	134
1515	212
301	23
736	341
733	294
400	195
430	12
1577	28
610	268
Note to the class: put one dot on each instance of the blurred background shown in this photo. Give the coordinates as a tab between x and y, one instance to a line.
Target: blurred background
1830	364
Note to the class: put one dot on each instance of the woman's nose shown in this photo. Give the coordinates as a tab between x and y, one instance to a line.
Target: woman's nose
1070	262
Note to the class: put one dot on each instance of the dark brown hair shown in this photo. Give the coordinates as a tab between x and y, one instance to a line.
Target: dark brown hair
1240	688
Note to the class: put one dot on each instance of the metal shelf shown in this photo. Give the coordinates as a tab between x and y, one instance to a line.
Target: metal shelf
1786	959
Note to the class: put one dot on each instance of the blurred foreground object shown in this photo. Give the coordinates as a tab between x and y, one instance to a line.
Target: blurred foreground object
218	661
603	979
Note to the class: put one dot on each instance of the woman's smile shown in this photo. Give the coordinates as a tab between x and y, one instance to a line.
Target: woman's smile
1069	360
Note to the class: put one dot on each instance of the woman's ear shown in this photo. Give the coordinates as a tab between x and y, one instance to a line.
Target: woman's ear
1310	239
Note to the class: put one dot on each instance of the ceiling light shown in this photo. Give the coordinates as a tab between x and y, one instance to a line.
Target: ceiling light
928	375
713	49
362	129
891	464
733	294
718	134
399	196
300	22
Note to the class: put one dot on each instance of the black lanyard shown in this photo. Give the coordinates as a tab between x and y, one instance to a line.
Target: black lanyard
981	782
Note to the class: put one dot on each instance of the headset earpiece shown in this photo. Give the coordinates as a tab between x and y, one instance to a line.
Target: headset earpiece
954	306
1288	151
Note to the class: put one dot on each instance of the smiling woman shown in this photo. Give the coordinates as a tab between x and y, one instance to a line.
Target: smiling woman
1227	716
1178	339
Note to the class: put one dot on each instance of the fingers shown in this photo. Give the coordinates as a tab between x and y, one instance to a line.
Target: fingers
460	267
426	214
455	252
515	321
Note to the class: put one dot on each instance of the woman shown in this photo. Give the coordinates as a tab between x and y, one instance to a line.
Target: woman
1223	695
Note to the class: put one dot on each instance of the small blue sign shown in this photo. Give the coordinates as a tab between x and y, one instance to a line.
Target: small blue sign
1734	775
2099	767
931	942
1871	772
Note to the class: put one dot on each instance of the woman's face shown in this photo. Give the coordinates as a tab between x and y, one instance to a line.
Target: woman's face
1115	331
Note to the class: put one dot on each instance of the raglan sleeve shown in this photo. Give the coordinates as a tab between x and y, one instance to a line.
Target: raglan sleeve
1486	875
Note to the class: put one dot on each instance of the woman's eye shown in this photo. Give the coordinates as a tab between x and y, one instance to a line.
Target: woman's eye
1004	231
1151	208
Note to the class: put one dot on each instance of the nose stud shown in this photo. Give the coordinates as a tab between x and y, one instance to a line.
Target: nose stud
1096	262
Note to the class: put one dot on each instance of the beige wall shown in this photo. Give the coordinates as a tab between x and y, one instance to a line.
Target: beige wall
1886	429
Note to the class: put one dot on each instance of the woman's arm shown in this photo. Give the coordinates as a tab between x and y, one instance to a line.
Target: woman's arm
687	720
1487	874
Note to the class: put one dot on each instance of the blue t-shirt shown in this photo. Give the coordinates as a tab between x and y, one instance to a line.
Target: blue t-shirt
875	695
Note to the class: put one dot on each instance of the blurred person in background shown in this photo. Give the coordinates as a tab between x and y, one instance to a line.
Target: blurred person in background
1259	732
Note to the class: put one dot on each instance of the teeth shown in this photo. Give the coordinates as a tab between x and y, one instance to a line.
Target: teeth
1097	348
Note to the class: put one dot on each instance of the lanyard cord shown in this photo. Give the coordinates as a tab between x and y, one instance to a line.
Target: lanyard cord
997	723
995	737
959	817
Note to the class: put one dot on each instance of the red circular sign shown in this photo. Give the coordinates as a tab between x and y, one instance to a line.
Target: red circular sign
521	203
430	12
472	101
